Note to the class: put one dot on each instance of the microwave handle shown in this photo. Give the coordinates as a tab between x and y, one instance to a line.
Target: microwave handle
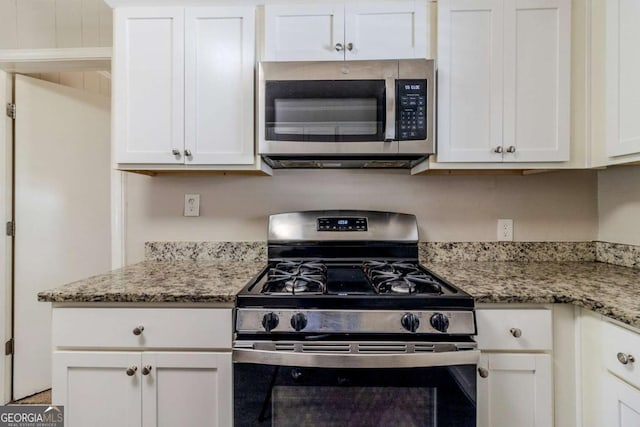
390	125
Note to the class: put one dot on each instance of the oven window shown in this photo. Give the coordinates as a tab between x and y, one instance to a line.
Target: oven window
266	395
325	111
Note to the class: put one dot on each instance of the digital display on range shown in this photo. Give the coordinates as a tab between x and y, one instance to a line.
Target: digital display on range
342	224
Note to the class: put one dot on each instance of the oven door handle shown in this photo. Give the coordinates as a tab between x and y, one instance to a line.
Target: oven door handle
358	360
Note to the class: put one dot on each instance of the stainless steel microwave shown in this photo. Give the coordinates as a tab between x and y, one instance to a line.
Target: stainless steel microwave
346	113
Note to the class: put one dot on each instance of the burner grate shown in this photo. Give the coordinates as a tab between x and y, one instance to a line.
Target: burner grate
296	277
400	278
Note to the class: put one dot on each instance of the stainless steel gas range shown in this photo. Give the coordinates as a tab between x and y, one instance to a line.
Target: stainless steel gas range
344	327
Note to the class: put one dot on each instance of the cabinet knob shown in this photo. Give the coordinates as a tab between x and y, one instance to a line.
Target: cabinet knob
498	149
516	332
131	371
349	47
339	47
146	370
175	152
138	330
625	358
187	153
511	149
484	373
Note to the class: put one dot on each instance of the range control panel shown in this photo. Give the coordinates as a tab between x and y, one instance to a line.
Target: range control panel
342	224
411	114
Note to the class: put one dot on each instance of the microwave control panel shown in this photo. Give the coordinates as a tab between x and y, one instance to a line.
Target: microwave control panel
411	114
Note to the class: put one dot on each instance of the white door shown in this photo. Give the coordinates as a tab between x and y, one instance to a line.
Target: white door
518	391
622	68
62	210
6	214
537	67
219	75
470	81
304	32
386	30
622	403
148	85
187	389
97	389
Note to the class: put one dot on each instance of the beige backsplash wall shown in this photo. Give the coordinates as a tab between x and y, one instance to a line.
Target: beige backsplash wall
559	206
619	205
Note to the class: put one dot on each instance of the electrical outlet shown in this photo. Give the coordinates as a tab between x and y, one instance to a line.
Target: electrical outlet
191	205
505	230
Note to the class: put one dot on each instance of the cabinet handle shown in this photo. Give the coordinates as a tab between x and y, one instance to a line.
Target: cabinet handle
484	373
516	332
175	152
146	370
511	149
187	153
625	358
138	330
339	47
498	149
349	47
131	371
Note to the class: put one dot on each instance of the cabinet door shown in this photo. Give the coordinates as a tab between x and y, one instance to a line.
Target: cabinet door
95	388
622	403
304	32
148	84
537	66
470	82
518	391
187	389
219	67
622	68
388	30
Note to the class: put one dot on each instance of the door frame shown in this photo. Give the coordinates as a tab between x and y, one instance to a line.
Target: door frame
6	248
118	227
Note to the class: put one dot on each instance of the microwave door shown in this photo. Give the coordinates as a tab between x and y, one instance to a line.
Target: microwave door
326	117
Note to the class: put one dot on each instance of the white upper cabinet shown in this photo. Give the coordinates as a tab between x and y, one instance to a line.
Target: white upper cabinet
622	68
219	64
183	85
351	31
503	80
148	84
470	81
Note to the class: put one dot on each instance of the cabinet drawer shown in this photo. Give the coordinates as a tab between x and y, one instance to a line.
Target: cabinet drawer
495	329
620	340
162	328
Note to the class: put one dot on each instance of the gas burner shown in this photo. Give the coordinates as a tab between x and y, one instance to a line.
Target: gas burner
400	278
294	277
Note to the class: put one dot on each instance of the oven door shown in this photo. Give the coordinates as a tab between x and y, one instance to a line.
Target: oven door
286	388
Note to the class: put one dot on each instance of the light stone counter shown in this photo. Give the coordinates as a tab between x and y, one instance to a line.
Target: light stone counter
607	289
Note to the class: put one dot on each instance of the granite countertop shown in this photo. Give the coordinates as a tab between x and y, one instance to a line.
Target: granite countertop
607	289
161	281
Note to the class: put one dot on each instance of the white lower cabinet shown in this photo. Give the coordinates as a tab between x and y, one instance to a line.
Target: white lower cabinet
515	390
622	403
515	371
143	388
610	377
143	367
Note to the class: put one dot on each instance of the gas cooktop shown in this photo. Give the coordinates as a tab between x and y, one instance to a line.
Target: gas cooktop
394	284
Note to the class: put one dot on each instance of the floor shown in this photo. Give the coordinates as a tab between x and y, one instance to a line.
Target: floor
41	398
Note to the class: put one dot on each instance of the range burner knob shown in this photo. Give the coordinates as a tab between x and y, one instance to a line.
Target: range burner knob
298	321
410	322
270	321
440	322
